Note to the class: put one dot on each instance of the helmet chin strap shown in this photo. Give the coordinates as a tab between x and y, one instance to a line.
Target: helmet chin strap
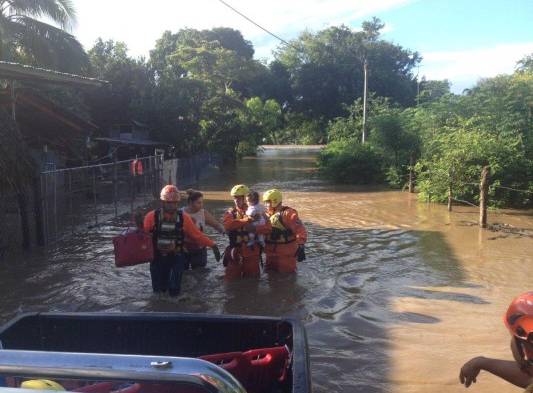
525	361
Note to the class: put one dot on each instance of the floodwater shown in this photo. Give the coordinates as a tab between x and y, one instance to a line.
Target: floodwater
395	294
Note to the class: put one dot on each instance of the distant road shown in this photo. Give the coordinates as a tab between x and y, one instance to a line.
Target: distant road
292	147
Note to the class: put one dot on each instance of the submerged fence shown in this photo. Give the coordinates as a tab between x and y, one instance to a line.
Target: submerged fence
76	199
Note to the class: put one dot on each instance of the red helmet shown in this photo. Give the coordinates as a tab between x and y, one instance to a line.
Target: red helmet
170	193
519	317
519	321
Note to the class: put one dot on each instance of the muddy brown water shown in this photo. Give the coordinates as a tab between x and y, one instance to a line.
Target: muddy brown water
395	294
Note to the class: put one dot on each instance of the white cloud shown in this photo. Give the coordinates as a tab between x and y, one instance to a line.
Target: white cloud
464	67
140	23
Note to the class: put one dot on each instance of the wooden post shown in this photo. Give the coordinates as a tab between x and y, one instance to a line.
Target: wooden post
450	197
483	196
411	174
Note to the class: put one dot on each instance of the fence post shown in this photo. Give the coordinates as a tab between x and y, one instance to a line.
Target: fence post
483	196
70	201
44	186
55	205
24	223
450	197
38	210
94	198
115	186
411	174
132	190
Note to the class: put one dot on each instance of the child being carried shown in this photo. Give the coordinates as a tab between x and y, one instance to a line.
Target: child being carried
256	211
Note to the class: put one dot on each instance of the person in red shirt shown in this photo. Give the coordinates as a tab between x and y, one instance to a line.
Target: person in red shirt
169	226
519	321
240	259
285	241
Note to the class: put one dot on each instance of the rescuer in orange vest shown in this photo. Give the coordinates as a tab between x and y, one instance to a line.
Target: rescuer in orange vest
285	242
240	259
169	226
519	321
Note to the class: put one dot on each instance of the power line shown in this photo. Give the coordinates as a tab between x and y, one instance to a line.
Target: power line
256	24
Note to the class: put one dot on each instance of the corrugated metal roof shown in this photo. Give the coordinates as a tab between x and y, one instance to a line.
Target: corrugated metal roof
130	142
23	72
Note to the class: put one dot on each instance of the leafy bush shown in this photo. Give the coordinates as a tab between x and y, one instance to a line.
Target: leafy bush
351	162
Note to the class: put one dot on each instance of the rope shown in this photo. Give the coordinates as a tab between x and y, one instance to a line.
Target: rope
465	202
515	189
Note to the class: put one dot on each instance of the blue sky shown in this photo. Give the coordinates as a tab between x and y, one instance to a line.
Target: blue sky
461	40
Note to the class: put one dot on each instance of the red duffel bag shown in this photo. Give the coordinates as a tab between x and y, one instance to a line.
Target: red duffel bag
133	247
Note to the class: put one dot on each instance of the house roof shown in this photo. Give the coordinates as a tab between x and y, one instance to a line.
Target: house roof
17	71
129	142
30	103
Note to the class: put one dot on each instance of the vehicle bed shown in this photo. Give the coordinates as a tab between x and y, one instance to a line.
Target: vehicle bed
265	355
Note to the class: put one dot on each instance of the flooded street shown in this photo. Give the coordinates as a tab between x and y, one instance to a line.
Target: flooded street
395	294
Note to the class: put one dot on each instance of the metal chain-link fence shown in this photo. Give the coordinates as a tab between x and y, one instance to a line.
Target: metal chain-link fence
73	200
75	197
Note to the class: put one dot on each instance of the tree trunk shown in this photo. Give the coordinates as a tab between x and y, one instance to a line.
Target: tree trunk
483	196
450	197
411	174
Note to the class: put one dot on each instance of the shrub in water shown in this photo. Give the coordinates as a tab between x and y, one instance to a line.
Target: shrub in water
351	162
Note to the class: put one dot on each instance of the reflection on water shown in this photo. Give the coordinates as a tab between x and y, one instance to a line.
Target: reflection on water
395	294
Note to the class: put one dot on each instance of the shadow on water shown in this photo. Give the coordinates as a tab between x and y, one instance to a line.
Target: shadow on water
351	291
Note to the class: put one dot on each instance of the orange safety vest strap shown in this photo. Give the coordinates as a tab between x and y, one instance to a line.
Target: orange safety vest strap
291	221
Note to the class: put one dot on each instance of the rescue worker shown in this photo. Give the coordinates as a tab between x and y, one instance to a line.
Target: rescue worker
240	259
519	321
285	242
169	226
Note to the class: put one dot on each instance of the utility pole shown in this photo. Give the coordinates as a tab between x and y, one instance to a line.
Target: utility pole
418	87
364	100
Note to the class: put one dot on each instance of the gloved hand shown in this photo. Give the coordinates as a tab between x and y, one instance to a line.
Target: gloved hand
216	252
300	253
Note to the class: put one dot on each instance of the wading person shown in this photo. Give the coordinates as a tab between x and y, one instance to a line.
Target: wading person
285	242
241	259
196	255
169	227
519	322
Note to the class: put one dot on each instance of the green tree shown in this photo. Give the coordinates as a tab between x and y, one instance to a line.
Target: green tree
264	118
525	64
327	69
130	94
432	90
351	162
27	37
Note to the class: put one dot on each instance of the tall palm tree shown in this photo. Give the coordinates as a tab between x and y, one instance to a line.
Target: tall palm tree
27	38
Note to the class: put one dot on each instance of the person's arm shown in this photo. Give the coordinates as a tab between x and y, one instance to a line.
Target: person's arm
293	222
149	222
213	222
194	234
232	224
505	369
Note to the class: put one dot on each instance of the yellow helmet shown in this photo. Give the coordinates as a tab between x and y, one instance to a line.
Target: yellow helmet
240	190
274	196
42	384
